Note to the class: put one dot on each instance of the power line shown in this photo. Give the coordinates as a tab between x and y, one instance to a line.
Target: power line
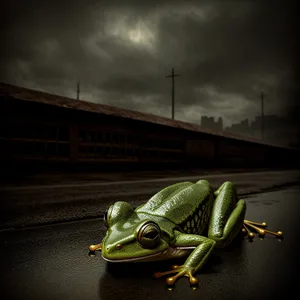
78	90
262	116
173	75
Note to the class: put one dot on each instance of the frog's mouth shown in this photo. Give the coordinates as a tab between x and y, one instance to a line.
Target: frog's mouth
166	254
141	258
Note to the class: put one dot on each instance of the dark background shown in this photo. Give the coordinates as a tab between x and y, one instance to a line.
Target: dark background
120	51
227	53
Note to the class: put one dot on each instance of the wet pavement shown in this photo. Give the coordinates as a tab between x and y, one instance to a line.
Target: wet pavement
52	262
32	204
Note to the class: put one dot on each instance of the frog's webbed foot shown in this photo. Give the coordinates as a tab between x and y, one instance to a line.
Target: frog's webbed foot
94	248
181	271
260	228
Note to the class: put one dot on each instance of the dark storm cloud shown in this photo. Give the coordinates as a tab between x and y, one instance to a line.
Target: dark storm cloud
228	51
225	51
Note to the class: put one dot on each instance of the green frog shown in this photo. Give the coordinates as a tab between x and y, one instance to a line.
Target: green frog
184	219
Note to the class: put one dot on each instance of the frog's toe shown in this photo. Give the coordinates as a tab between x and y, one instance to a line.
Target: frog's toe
94	248
160	274
170	280
181	271
192	279
260	228
175	267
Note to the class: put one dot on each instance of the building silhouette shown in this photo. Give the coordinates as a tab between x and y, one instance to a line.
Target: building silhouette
210	123
277	129
242	127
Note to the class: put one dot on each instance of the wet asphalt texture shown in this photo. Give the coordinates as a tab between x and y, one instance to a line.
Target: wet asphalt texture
52	262
44	202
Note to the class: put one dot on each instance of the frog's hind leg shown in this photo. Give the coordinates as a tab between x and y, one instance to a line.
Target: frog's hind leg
260	228
227	217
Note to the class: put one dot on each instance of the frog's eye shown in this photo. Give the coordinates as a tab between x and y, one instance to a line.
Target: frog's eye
149	235
106	217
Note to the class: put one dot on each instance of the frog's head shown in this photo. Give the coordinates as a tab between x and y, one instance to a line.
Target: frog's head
128	238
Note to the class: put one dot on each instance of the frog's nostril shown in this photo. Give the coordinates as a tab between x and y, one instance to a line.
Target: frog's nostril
119	246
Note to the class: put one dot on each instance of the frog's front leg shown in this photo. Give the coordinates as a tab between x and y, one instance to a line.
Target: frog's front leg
202	248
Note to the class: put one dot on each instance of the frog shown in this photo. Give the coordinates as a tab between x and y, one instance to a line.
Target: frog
184	219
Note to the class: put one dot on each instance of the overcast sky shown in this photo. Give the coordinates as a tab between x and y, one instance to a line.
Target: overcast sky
226	53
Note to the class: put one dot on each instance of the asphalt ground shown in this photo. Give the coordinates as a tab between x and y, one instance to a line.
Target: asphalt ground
38	203
52	262
33	178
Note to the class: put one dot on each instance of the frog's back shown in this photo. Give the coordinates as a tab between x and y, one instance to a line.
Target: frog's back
186	204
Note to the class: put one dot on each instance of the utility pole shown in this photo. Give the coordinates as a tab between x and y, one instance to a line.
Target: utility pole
78	89
262	117
173	75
